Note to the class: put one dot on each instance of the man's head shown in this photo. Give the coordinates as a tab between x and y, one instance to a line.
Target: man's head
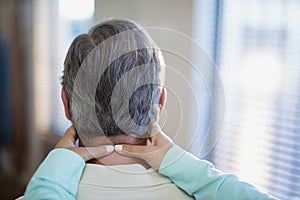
142	59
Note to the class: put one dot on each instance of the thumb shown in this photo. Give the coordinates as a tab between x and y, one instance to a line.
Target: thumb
88	153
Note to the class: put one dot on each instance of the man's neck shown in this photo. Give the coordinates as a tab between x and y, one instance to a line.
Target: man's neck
115	158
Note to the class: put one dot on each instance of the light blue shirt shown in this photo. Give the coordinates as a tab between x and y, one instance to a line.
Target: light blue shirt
59	175
200	179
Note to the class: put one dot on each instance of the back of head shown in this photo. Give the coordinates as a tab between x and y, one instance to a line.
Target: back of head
128	68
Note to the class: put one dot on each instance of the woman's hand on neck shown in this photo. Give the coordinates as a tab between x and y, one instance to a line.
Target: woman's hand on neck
115	158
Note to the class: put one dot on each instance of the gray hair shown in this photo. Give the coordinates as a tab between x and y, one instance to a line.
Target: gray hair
129	70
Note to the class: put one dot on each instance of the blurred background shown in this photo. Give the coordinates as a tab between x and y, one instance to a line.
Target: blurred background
254	44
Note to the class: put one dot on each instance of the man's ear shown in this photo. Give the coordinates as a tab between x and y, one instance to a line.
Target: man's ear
162	99
66	103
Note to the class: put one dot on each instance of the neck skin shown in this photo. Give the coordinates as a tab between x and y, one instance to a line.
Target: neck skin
115	158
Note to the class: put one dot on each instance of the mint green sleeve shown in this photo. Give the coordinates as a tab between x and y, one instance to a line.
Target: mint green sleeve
200	179
57	177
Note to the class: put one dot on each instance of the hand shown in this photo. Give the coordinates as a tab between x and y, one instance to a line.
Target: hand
87	153
153	154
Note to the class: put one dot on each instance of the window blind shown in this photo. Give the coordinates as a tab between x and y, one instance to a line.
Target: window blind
259	59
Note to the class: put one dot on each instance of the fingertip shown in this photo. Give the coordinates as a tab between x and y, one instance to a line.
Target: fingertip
118	148
109	148
71	130
71	127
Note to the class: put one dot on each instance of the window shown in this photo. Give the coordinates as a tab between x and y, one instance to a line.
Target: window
258	55
57	21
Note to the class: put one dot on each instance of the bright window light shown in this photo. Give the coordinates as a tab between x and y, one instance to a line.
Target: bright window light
76	9
254	143
261	71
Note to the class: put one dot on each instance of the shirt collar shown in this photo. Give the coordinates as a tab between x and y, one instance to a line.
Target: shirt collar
134	175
